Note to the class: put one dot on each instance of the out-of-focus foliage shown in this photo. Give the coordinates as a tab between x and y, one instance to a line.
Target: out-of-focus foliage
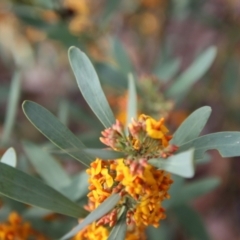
182	55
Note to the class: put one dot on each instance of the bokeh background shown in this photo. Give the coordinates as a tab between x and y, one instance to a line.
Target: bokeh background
156	40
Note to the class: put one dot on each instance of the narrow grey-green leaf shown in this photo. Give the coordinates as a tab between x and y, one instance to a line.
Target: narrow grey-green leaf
227	143
10	157
163	232
104	153
180	164
36	213
47	167
174	190
55	131
193	73
100	211
90	86
119	230
192	126
191	222
78	188
121	57
167	70
110	8
19	186
195	189
12	105
132	99
63	112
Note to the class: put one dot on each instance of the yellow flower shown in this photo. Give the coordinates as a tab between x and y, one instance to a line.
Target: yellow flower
100	182
148	190
92	232
15	228
157	130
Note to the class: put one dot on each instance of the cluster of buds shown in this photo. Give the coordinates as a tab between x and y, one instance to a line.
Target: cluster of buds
114	136
109	219
137	166
169	151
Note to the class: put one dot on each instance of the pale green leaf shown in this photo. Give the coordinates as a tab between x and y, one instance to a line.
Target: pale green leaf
46	166
167	70
100	211
132	100
206	159
104	153
78	188
109	10
192	126
193	73
195	189
24	188
119	230
36	213
180	164
174	190
63	112
12	106
163	232
121	57
10	157
55	131
227	143
190	220
111	76
90	86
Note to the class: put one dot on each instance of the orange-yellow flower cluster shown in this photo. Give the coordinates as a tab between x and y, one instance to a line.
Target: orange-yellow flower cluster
93	232
141	186
16	229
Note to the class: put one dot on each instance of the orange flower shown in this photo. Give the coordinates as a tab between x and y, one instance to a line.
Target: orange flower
15	228
157	130
92	232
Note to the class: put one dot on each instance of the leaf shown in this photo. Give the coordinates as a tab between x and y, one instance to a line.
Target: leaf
206	159
10	157
191	222
132	100
168	69
90	87
174	190
104	153
12	105
121	56
180	164
163	232
47	167
24	188
198	68
227	143
192	126
119	230
36	213
100	211
55	131
195	189
78	187
110	8
63	112
111	76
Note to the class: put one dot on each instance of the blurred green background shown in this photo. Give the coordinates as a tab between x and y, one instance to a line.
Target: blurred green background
156	40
